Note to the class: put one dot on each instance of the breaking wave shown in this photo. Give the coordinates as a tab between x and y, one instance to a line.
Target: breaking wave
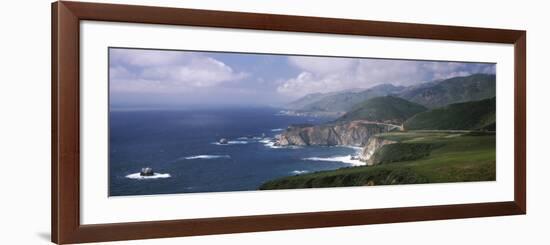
250	138
207	157
269	142
345	159
356	148
232	142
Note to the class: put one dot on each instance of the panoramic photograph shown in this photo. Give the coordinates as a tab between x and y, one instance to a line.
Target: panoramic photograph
197	121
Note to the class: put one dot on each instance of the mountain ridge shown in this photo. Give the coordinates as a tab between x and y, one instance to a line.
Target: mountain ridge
430	94
342	101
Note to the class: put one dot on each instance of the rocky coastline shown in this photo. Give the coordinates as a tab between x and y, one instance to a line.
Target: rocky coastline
353	133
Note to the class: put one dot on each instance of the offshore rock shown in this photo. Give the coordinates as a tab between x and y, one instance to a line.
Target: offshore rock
146	172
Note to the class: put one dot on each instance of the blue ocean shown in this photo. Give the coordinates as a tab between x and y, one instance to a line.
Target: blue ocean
182	147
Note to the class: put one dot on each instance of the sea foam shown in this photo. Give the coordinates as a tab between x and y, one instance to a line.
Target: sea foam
345	159
249	138
269	142
232	142
299	172
356	148
207	157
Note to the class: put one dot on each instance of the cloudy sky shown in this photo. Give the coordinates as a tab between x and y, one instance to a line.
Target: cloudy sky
159	78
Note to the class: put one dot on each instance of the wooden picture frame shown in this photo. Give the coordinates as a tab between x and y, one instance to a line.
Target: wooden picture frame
65	182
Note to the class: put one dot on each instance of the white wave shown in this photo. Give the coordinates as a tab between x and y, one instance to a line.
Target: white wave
232	142
271	144
155	176
249	138
277	130
356	148
345	159
237	142
266	140
207	157
300	172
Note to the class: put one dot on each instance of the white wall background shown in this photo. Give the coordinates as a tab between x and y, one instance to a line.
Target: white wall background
25	122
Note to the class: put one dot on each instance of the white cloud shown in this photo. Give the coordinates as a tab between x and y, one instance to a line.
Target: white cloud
322	65
147	58
166	71
307	82
321	74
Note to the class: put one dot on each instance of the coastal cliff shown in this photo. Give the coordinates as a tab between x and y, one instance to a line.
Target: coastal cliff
353	133
374	144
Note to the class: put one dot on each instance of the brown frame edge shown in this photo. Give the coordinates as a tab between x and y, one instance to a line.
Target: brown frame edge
65	182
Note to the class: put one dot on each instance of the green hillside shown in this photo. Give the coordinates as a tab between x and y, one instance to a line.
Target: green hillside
460	116
387	109
452	157
452	90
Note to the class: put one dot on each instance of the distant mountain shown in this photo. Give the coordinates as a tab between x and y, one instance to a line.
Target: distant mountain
306	100
452	90
387	109
460	116
430	94
341	101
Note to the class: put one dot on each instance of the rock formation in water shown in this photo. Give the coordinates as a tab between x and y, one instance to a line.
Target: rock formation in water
146	172
223	141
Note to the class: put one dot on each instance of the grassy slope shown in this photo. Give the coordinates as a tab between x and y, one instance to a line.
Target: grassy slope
459	157
402	152
460	116
387	108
